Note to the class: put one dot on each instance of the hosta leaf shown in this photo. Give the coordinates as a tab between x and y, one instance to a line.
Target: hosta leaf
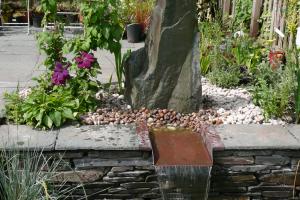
47	121
67	113
56	118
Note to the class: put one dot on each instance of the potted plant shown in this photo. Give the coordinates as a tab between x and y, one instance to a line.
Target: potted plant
141	16
7	13
37	16
276	58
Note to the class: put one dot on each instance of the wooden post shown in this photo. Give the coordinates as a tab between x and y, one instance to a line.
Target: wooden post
226	8
256	11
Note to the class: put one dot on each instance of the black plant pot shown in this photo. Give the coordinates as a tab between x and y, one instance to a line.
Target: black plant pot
134	32
37	20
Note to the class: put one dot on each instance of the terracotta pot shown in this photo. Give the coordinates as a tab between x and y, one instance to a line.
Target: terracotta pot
276	59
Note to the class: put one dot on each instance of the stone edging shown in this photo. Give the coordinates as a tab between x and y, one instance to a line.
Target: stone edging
132	137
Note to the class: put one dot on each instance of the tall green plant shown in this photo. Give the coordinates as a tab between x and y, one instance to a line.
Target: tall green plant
27	176
293	17
102	30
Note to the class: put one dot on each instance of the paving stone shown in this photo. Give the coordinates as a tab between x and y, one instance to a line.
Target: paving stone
294	130
101	138
272	160
24	138
241	137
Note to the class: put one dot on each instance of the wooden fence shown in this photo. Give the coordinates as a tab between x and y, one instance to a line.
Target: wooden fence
271	13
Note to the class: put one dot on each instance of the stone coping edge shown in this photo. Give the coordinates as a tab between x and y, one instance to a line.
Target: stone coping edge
71	138
136	138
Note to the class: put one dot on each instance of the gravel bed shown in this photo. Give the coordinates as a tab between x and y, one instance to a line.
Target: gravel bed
220	106
234	106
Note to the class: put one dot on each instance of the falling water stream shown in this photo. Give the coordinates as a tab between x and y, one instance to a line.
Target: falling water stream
183	165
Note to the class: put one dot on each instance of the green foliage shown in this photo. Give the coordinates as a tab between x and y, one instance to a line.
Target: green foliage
243	12
102	27
135	11
51	43
225	76
274	90
49	110
49	7
13	107
27	176
211	38
102	30
297	99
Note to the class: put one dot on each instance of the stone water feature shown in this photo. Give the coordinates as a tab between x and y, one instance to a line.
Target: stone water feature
183	164
165	73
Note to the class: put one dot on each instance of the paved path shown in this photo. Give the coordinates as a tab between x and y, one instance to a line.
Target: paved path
20	61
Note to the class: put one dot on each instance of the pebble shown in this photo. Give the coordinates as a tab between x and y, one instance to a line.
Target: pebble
234	106
220	106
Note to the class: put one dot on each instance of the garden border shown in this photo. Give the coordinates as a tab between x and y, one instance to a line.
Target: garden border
250	161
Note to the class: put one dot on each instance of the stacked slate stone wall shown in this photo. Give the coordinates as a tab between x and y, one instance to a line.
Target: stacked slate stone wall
255	174
106	174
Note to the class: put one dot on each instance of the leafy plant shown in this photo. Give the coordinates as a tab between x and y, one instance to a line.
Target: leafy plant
211	38
297	98
51	43
49	110
242	17
274	90
13	107
225	76
102	29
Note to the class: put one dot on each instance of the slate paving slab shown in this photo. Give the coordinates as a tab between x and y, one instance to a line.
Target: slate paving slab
101	138
257	137
25	138
294	130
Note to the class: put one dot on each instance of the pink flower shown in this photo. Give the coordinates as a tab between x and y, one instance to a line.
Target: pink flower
60	74
85	60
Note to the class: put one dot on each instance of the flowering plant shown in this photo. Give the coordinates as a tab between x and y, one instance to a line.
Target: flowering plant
60	74
85	60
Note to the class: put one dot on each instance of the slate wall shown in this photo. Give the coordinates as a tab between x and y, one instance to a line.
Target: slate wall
255	174
106	174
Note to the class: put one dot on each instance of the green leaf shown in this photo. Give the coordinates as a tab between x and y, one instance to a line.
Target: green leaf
67	113
47	121
56	118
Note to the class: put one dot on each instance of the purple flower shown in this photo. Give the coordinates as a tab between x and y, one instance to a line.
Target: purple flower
60	74
85	60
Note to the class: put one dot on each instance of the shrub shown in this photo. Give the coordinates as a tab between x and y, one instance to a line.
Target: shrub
274	90
226	77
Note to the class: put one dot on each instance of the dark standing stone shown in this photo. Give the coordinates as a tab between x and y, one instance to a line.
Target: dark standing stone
165	73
